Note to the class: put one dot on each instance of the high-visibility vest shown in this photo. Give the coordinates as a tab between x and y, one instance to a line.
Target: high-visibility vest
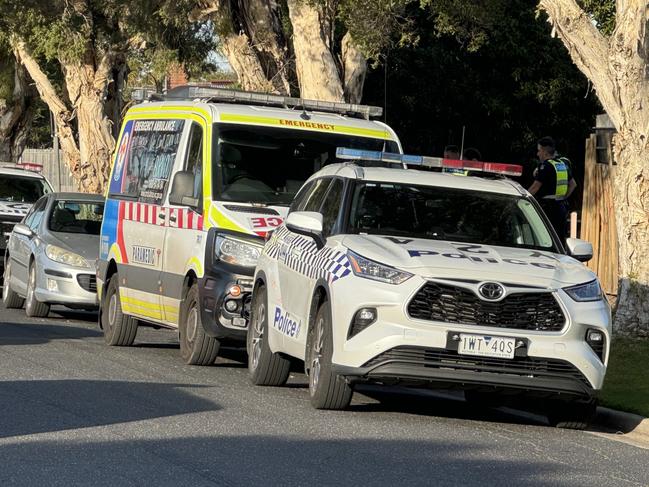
561	169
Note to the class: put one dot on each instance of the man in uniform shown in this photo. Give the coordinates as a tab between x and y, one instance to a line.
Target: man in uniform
553	184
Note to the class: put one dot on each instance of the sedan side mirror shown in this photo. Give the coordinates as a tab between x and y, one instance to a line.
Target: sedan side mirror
580	249
22	229
182	190
307	223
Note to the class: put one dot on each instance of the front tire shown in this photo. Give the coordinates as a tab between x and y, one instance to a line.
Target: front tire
572	415
33	307
265	368
119	329
10	298
327	389
196	347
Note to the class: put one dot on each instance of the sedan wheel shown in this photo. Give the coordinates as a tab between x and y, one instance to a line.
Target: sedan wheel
10	299
33	307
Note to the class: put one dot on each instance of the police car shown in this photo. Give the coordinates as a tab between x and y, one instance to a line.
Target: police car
403	276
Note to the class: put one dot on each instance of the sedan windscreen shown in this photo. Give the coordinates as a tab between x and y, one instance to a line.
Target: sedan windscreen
455	215
76	217
25	190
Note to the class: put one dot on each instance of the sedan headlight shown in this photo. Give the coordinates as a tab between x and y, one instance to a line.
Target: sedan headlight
591	291
57	254
369	269
236	251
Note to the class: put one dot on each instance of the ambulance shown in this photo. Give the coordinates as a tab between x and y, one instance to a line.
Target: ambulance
199	178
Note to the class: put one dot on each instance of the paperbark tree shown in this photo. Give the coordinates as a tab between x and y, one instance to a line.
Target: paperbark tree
311	48
87	44
15	108
617	65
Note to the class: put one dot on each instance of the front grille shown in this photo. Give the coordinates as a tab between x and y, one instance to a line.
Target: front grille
440	358
88	282
520	311
7	226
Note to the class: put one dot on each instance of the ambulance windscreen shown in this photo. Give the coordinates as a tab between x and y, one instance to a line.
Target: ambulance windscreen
269	165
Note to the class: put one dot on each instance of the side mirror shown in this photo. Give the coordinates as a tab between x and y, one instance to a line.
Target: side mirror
580	249
182	190
22	229
307	223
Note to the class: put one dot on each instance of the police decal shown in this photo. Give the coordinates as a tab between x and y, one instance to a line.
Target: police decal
285	324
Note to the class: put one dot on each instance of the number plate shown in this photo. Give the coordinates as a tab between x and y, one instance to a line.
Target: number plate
486	346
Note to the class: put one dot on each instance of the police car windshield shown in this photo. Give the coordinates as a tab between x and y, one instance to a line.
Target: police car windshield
447	214
269	165
22	189
76	217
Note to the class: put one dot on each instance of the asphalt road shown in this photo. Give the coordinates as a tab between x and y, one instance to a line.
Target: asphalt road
76	412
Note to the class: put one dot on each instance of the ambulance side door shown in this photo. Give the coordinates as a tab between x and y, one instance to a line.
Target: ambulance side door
184	242
154	149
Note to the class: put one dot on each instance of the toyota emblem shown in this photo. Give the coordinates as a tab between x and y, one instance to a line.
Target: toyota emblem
491	291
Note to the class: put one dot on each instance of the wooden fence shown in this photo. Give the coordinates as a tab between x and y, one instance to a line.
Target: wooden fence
598	217
54	169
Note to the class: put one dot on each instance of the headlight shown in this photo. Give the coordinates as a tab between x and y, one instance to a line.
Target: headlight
57	254
369	269
585	292
237	252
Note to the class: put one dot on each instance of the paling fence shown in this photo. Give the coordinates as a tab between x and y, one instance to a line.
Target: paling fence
54	169
598	217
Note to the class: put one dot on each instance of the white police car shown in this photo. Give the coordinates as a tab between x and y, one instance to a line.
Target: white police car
392	275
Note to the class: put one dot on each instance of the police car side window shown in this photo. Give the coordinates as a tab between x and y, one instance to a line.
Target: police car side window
151	156
314	199
331	206
194	161
300	198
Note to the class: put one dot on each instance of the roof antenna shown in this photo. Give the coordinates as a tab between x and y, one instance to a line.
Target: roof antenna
304	115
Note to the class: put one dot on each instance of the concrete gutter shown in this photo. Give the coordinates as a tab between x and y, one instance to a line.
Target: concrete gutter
632	426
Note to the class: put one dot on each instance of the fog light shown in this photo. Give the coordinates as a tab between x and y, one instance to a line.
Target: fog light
235	291
363	318
52	285
597	341
231	305
594	336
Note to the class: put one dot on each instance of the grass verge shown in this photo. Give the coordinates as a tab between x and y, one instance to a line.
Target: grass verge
626	386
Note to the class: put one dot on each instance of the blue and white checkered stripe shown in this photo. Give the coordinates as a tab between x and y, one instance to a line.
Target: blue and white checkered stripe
300	254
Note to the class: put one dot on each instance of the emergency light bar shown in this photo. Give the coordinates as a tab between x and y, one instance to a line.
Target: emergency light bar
210	94
426	161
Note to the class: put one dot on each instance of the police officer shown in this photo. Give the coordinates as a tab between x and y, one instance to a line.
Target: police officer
553	184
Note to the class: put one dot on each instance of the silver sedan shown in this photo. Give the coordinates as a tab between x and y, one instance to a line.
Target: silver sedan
51	255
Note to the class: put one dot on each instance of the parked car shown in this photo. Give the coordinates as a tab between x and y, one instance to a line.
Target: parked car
51	255
400	276
19	189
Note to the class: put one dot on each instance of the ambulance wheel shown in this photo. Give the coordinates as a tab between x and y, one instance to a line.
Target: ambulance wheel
196	348
327	389
119	329
10	298
265	368
33	307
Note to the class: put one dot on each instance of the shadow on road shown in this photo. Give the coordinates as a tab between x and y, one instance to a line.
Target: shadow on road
282	460
39	333
54	405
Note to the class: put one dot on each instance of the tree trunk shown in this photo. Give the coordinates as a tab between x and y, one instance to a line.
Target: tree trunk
354	69
317	72
244	61
86	83
631	195
617	68
15	118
